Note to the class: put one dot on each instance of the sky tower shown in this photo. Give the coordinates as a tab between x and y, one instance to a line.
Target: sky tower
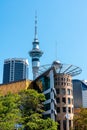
35	53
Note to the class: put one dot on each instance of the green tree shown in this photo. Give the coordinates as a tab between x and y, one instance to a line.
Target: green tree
26	109
80	120
31	102
9	112
35	122
31	109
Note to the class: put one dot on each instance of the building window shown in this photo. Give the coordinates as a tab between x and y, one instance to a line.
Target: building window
55	79
62	79
58	100
68	91
63	91
62	83
72	110
64	99
70	123
55	83
69	101
47	106
58	78
58	109
72	101
58	125
69	80
68	84
45	83
64	124
58	91
64	109
69	109
47	96
58	83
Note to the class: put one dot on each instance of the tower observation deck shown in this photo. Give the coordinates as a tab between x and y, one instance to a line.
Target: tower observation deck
35	53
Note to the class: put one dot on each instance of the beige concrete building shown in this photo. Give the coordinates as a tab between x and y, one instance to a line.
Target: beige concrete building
64	98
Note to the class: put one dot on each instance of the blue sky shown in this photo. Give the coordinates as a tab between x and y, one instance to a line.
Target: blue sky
62	26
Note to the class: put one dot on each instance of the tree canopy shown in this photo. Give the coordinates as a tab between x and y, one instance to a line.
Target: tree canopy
80	120
9	112
32	108
24	109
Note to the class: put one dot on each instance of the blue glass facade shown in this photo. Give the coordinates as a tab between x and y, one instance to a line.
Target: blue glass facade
18	73
6	73
15	70
45	83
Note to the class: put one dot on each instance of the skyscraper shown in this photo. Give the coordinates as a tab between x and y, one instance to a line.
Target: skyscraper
15	69
35	53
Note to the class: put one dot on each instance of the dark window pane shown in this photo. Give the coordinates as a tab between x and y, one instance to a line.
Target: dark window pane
47	106
64	109
58	109
69	109
58	125
64	99
69	101
58	100
58	91
47	96
64	124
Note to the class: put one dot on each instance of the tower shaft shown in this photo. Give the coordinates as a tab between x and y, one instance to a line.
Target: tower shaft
35	53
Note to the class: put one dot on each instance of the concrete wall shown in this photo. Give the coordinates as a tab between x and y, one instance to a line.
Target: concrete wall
14	87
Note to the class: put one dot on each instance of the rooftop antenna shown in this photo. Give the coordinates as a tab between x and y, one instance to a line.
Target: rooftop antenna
35	37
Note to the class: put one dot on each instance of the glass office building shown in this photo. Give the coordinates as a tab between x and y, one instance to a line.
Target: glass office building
15	69
80	93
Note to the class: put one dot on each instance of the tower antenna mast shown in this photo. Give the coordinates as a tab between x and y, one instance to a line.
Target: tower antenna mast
35	37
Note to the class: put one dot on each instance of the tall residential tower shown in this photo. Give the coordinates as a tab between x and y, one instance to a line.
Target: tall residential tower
35	53
15	69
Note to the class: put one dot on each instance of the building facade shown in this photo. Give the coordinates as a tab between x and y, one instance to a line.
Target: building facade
15	69
57	86
15	87
80	93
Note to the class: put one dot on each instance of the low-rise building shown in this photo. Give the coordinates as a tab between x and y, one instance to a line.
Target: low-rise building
15	87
